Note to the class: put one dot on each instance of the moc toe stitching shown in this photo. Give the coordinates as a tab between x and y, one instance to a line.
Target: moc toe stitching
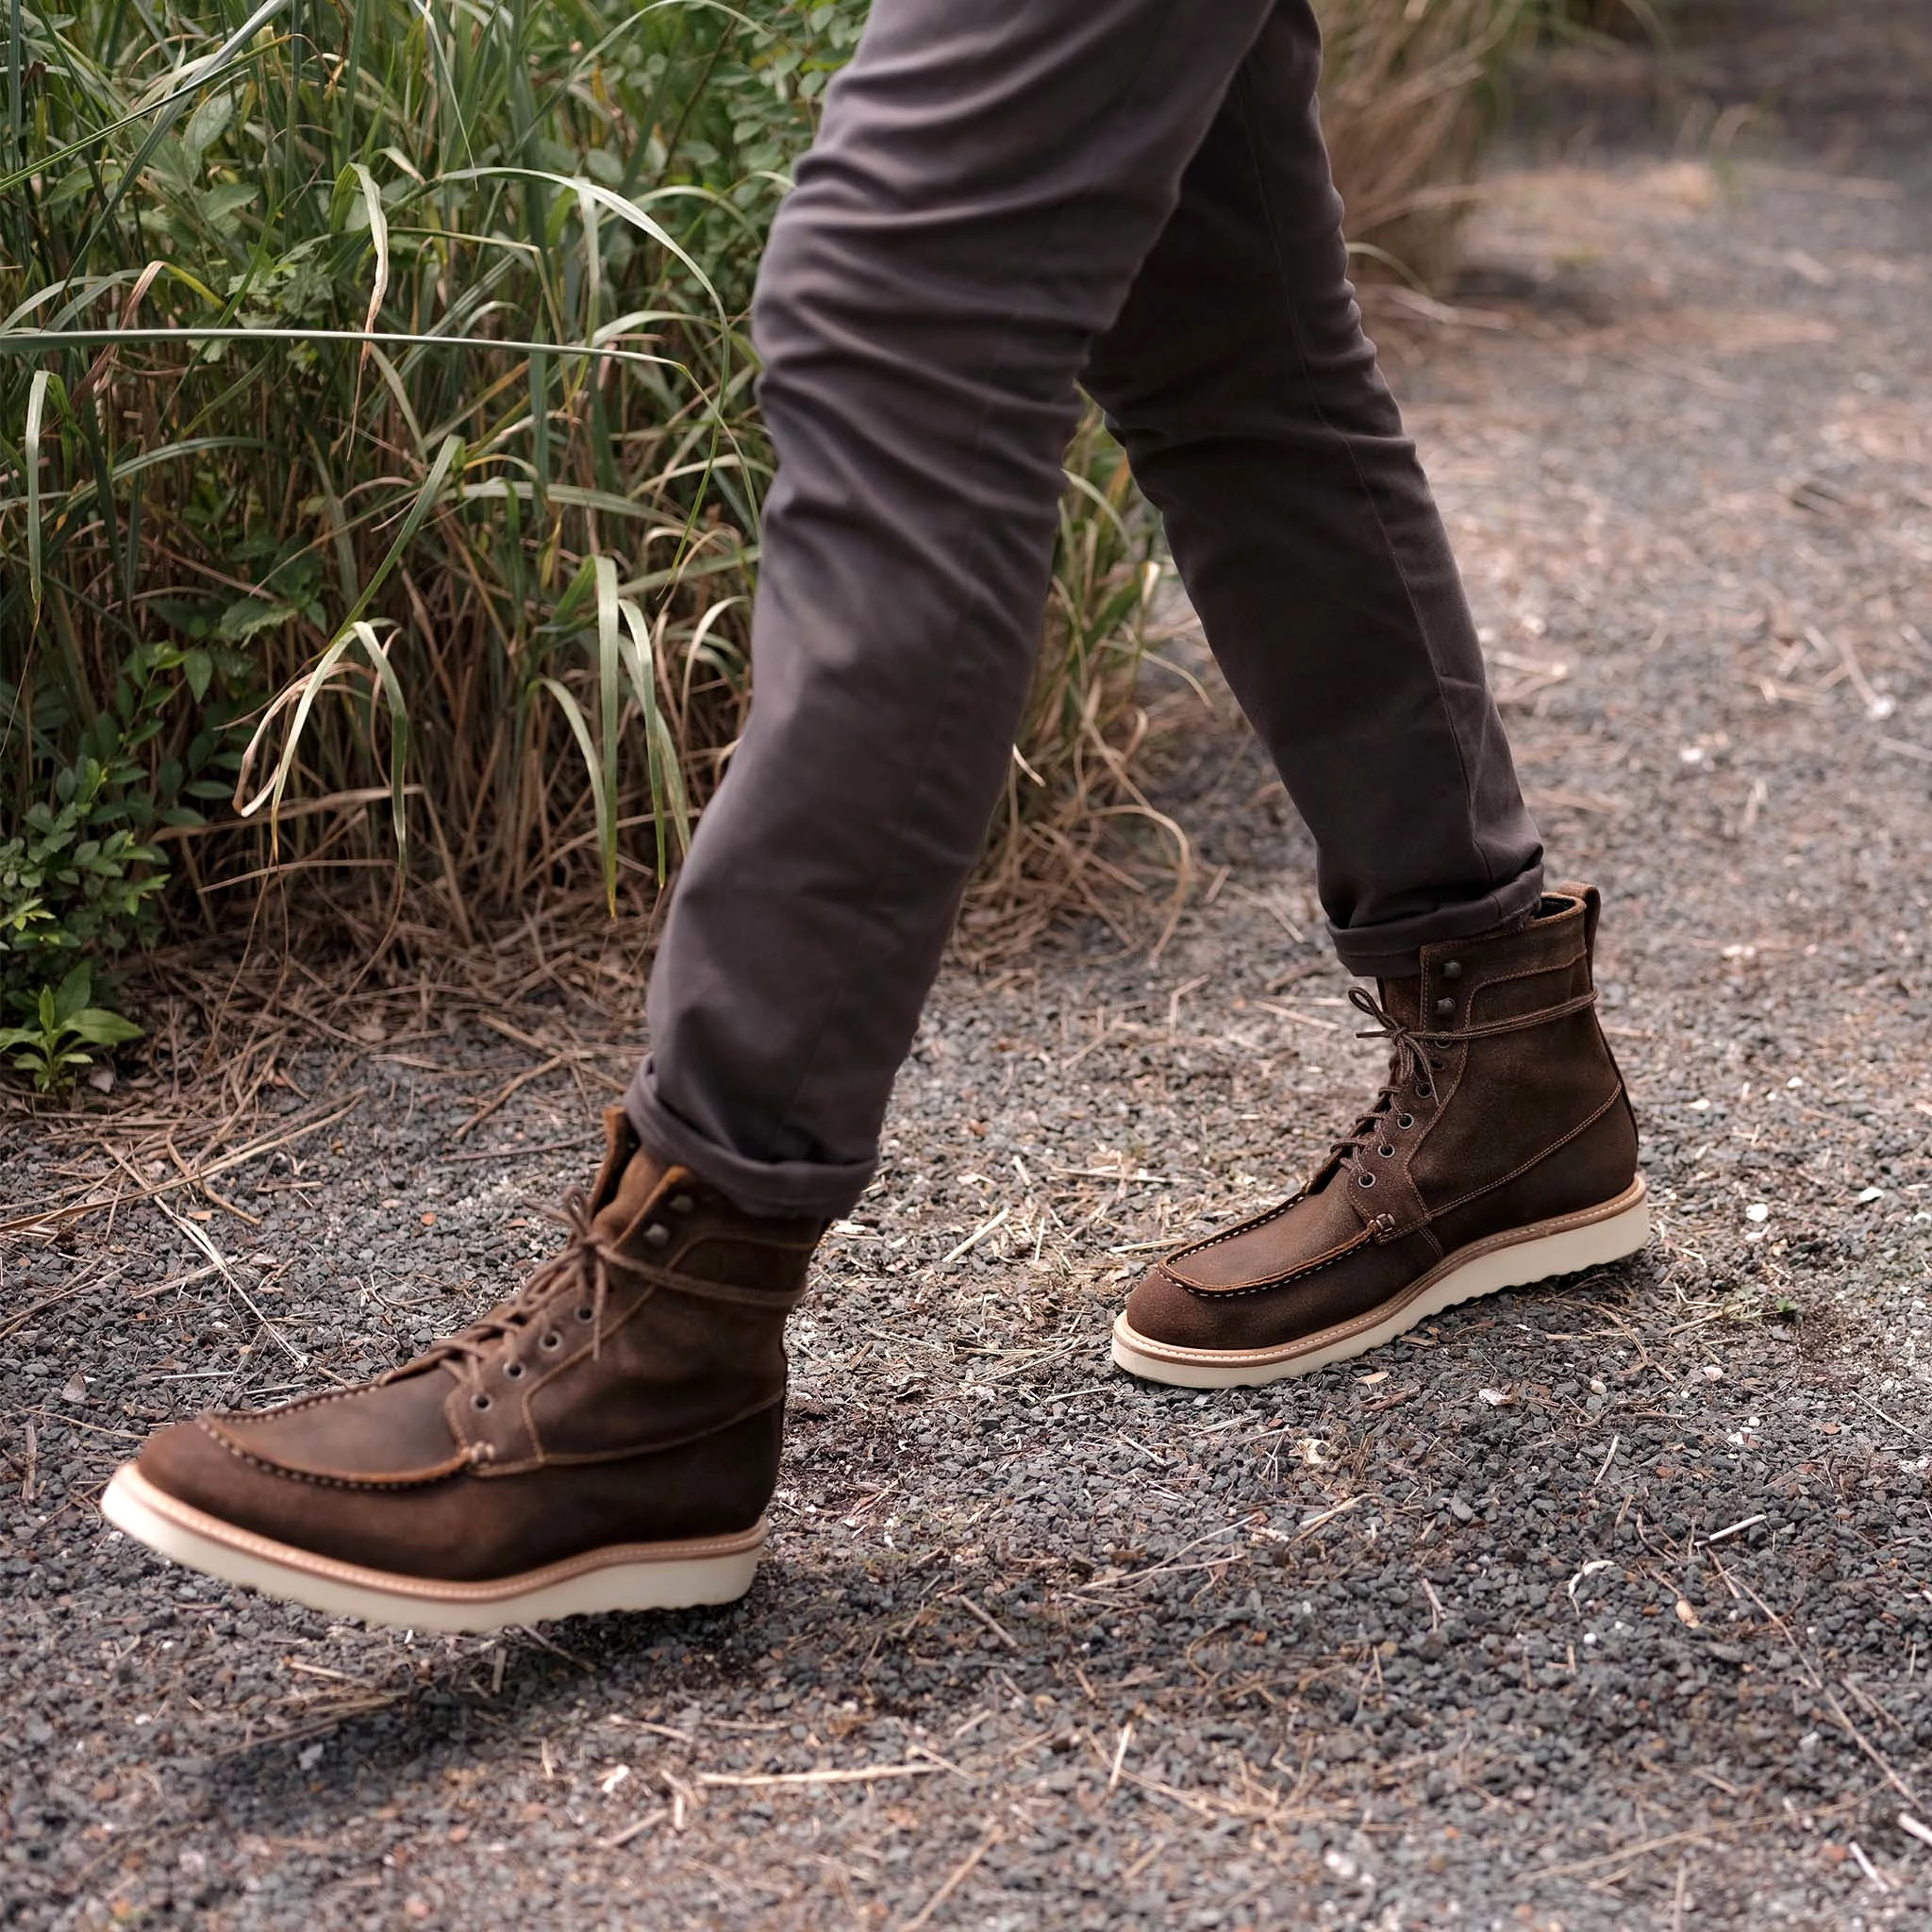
329	1480
1229	1234
1246	1287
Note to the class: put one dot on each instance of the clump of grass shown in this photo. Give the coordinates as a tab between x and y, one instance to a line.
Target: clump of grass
378	448
388	362
1412	90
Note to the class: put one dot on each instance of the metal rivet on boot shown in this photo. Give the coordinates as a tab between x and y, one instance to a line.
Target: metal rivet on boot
681	1204
1452	969
1445	1005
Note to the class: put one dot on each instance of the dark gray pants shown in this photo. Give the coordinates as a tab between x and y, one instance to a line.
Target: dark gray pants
1009	198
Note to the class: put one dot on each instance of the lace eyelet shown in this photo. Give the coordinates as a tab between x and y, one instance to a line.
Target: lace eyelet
1436	1063
1366	1180
479	1402
552	1341
513	1371
586	1314
1404	1119
1387	1152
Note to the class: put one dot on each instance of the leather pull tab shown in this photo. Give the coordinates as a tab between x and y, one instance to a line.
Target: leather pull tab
1592	911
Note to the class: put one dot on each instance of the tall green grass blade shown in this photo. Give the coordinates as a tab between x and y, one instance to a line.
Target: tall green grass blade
35	408
391	689
580	731
670	805
609	653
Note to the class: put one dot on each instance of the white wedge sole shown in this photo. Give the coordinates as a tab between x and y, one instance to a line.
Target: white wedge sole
625	1577
1565	1245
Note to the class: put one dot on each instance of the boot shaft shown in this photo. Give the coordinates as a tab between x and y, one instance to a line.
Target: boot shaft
1518	1067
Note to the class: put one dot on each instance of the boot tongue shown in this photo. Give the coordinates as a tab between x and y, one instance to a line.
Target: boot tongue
618	1212
1402	998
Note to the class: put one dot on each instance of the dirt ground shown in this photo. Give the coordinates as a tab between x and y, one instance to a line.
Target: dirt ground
1603	1607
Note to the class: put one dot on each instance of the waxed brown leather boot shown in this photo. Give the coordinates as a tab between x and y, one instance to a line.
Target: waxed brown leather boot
608	1439
1503	1150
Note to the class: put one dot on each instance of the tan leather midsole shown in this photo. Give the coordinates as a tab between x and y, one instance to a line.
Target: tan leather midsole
1631	1197
428	1589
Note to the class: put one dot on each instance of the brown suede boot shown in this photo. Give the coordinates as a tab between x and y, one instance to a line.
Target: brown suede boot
1503	1150
608	1439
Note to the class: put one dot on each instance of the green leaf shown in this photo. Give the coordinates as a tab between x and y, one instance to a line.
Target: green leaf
206	125
244	617
200	669
74	992
97	1026
220	206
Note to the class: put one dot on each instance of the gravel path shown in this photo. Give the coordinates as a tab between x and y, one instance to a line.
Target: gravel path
1603	1607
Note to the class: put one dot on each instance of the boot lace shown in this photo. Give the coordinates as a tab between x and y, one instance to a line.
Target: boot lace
1413	1061
586	1264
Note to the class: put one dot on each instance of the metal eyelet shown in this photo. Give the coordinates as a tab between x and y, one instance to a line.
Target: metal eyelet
513	1371
1404	1119
586	1314
479	1402
1367	1180
1425	1093
1387	1152
552	1341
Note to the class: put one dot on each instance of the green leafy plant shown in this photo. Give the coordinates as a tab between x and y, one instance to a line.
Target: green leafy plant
83	878
76	878
64	1024
374	389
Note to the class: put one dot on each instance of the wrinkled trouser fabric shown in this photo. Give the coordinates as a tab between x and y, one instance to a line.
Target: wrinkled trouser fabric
1008	200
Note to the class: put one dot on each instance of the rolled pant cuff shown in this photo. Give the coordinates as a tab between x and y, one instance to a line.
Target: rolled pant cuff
1393	950
756	1187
